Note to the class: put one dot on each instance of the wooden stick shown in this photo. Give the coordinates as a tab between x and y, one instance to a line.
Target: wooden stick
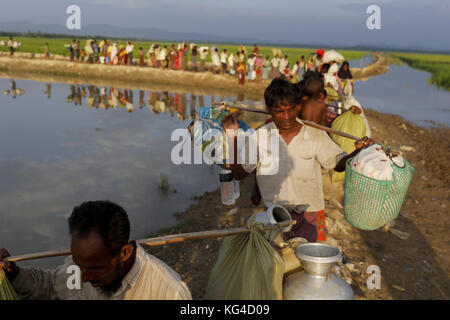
158	241
308	123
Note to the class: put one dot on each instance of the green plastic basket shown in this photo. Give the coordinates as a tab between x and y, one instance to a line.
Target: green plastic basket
370	204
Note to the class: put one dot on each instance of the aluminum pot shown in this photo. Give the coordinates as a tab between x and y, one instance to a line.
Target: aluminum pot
316	281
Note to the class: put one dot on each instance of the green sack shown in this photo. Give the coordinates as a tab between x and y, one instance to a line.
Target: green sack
248	268
350	123
6	290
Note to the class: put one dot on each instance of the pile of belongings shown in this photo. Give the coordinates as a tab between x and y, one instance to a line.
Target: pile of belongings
210	118
373	162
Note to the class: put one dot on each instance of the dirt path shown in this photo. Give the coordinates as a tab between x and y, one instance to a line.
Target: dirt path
59	69
419	265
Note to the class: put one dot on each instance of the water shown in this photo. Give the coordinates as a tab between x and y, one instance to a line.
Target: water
405	91
60	148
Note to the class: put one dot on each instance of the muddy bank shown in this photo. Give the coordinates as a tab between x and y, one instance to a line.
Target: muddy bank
415	268
59	69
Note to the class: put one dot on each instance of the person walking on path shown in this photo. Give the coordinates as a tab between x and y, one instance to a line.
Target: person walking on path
11	46
141	57
129	51
240	70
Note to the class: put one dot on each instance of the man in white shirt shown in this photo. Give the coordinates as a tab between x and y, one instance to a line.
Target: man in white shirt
215	60
275	63
11	46
283	63
129	50
302	151
203	55
111	266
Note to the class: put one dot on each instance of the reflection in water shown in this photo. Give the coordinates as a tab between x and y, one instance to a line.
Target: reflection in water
48	90
158	102
99	145
14	91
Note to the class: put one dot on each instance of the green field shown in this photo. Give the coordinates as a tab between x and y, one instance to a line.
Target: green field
437	64
57	47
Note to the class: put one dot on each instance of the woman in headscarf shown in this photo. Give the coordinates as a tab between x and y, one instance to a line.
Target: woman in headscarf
346	75
344	72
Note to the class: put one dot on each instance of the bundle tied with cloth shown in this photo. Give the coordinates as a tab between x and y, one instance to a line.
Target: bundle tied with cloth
252	266
208	125
6	290
248	268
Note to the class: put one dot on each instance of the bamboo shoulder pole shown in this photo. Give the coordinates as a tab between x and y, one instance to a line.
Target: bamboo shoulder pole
308	123
158	241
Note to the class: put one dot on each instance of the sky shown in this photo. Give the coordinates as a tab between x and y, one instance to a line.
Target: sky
404	23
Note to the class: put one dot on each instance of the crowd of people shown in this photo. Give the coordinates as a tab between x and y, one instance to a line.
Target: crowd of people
250	66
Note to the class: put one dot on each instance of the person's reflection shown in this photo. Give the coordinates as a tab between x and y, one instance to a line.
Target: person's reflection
96	92
164	101
48	90
13	89
141	99
151	101
181	111
90	98
77	98
123	95
114	97
71	97
193	112
157	109
83	91
171	104
104	99
129	100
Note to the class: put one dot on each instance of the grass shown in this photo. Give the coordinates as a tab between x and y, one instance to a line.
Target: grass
437	64
164	183
56	46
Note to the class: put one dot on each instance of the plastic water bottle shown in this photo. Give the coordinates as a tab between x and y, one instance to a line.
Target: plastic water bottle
227	187
236	189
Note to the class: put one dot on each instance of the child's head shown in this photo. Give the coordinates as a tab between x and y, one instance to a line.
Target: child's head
311	88
325	68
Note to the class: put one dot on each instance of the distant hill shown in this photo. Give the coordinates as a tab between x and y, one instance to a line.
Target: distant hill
119	32
99	31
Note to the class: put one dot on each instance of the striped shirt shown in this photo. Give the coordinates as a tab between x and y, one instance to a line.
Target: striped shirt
148	279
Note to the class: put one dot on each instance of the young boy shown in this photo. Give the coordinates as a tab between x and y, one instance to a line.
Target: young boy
302	151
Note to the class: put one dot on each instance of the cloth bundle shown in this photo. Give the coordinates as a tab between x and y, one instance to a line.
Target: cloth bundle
373	162
210	118
6	290
248	268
